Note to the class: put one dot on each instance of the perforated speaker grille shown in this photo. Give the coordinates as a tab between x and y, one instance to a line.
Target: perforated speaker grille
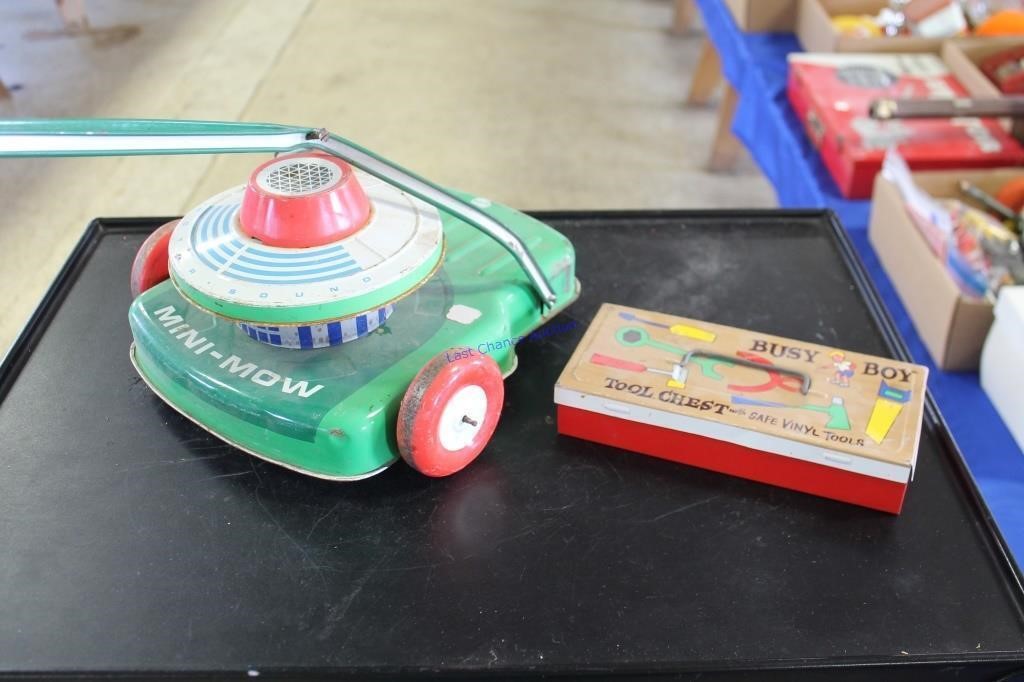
296	177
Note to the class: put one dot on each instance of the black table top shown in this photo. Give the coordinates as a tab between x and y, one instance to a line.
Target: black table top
132	541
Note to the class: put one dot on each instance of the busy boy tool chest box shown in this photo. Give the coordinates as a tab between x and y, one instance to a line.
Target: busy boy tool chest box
832	93
799	415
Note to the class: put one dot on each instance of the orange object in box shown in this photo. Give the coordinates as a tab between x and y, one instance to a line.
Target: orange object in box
1011	194
1005	23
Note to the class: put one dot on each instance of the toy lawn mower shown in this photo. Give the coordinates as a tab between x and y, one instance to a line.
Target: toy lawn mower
337	311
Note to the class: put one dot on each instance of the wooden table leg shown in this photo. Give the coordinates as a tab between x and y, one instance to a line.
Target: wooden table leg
706	76
4	92
726	149
683	16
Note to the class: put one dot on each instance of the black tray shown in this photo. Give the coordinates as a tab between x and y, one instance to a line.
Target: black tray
132	542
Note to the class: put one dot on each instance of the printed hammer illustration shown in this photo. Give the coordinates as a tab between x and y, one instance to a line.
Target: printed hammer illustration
836	410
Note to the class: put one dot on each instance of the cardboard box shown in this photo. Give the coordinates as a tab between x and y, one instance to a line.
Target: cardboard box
764	16
953	326
791	413
963	56
1002	365
814	28
831	94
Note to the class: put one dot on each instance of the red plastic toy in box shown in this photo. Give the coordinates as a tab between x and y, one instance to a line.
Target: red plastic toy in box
1006	70
832	92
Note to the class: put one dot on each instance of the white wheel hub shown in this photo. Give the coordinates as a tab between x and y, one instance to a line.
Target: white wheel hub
462	418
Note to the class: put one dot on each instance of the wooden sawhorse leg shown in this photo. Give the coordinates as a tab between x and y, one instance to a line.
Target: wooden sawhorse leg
726	149
706	77
683	15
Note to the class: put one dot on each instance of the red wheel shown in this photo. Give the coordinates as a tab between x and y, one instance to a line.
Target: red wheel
449	412
150	265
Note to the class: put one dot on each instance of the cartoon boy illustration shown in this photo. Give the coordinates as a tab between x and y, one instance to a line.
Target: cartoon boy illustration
843	369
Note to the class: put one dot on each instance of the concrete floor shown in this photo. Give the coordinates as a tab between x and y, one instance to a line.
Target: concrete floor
536	103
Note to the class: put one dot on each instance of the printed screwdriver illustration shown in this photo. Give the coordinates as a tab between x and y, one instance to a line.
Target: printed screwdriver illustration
306	316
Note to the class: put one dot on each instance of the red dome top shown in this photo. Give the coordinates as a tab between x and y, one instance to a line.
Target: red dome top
304	199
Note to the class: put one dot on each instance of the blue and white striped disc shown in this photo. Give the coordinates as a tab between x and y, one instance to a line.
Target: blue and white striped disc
318	335
210	253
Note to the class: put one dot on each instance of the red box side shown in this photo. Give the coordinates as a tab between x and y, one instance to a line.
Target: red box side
823	139
736	460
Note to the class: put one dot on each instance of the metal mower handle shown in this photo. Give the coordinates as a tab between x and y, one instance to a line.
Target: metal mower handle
136	137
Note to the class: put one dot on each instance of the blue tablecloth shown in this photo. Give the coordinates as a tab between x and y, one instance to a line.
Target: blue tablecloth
755	65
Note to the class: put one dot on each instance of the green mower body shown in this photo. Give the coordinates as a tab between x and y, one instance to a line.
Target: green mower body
331	412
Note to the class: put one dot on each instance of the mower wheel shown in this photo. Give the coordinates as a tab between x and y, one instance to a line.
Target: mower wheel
150	266
449	412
